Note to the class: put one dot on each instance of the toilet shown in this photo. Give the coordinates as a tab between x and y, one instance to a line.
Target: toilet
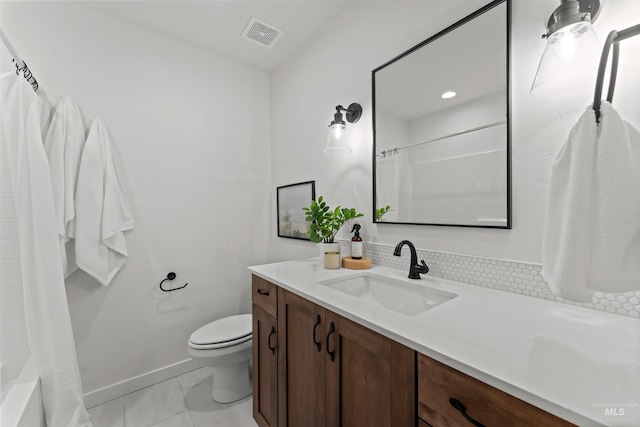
225	345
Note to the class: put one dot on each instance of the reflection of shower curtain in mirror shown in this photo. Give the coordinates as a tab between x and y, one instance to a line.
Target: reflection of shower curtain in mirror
388	185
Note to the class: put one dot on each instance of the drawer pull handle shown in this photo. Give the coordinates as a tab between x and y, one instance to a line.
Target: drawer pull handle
460	407
317	343
332	354
273	331
265	293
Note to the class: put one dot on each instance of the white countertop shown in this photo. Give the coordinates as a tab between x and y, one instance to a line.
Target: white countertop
580	364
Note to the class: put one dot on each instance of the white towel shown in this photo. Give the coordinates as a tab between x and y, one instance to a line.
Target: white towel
64	144
615	250
592	235
102	209
46	111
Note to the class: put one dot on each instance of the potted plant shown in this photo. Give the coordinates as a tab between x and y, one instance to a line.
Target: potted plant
326	222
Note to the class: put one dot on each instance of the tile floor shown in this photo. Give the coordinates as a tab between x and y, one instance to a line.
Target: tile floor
184	401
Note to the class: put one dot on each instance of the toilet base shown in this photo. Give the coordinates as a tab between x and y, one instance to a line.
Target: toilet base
231	382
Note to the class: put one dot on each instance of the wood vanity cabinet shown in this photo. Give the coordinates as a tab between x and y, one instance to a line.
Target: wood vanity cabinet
301	362
265	354
334	372
371	378
331	371
314	368
438	383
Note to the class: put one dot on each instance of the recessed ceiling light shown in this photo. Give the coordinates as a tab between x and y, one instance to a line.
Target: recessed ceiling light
448	95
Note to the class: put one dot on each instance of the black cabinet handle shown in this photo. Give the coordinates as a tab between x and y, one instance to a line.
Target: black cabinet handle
460	407
317	343
332	354
261	292
273	349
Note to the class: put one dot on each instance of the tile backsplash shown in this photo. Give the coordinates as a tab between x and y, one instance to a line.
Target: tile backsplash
509	276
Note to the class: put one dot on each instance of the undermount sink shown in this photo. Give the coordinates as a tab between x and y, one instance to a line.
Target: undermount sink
397	295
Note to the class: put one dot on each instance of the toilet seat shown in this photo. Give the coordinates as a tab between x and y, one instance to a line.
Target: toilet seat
222	333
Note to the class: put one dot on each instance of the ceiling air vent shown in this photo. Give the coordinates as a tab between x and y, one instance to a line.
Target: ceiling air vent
262	33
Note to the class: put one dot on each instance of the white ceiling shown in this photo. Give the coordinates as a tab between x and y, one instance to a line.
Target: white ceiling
216	25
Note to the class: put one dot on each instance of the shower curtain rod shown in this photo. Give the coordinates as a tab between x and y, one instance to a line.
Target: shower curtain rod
19	63
462	132
613	39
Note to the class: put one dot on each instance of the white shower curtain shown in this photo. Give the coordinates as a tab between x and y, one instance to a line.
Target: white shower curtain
388	184
47	318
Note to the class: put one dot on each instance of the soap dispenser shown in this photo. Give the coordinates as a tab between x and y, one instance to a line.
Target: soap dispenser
356	243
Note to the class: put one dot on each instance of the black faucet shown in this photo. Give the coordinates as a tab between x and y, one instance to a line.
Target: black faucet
415	269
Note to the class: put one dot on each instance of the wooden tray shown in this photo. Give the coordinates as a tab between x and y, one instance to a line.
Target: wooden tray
356	264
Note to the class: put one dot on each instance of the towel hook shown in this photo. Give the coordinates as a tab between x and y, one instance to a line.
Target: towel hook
171	276
613	39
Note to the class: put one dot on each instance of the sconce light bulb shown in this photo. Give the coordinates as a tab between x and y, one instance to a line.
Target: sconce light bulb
567	47
337	131
336	143
565	42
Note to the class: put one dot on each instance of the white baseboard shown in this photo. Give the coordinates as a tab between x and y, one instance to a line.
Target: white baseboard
139	382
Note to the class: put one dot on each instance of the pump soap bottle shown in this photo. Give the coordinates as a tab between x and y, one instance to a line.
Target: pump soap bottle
356	243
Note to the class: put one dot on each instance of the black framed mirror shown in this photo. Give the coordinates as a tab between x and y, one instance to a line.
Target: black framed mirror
441	126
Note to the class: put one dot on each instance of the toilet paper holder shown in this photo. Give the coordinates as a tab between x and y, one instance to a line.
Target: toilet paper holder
171	276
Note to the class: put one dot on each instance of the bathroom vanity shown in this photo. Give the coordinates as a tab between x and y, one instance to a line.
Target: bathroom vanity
374	348
329	370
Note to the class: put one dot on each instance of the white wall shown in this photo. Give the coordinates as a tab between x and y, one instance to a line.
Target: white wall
197	168
335	68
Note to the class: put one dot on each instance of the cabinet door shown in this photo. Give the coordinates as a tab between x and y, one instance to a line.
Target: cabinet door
265	368
370	380
440	387
301	365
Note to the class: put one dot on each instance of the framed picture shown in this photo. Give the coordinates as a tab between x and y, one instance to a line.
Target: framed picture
291	218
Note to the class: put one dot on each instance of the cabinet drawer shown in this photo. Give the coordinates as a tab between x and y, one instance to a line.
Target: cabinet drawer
438	383
265	295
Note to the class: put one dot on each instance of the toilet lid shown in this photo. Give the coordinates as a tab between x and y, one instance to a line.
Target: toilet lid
227	331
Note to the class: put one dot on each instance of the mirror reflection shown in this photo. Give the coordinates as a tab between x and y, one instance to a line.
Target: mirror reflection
441	129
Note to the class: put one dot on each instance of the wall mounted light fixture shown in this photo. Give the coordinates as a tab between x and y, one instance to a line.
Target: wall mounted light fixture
336	141
572	47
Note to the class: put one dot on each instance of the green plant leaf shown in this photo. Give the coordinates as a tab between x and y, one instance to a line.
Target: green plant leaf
325	222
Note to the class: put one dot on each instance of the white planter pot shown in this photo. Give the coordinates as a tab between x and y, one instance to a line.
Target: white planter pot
330	255
328	247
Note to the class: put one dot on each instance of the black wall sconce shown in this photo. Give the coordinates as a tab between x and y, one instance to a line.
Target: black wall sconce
336	141
572	47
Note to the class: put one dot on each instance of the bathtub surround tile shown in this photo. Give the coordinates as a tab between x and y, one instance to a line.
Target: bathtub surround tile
183	419
509	276
154	404
109	414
